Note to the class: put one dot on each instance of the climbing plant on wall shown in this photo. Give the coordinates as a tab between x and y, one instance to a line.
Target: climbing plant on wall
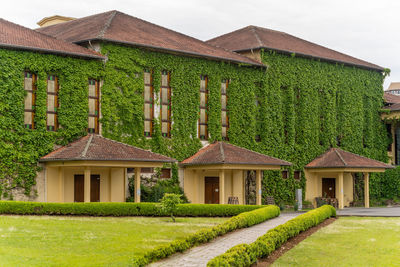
313	105
295	109
20	148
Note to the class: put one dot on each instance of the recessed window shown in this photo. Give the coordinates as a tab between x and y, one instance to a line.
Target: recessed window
224	109
297	175
165	173
94	106
285	174
30	99
165	102
52	102
148	103
146	170
203	120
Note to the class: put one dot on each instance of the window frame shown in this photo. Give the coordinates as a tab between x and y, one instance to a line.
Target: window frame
205	108
168	104
96	117
33	103
226	126
56	102
151	103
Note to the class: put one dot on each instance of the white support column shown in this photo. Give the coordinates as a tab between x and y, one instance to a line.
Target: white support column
61	184
137	185
258	187
87	185
366	190
221	187
341	194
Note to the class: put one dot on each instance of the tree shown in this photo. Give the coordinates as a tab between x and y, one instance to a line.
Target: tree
169	203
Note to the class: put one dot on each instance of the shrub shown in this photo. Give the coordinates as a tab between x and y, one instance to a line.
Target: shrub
169	203
245	255
242	220
120	209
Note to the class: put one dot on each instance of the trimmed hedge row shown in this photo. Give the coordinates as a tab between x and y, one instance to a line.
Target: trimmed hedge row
242	220
120	209
245	255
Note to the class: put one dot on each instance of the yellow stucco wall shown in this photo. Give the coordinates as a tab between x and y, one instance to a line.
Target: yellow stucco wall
314	186
194	184
114	191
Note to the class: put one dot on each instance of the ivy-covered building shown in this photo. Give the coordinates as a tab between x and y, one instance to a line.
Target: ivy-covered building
154	88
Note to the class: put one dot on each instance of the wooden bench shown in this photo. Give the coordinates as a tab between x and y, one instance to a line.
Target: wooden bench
233	200
270	200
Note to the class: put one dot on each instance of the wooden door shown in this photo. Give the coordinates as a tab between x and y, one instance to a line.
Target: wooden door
79	188
211	190
329	187
95	188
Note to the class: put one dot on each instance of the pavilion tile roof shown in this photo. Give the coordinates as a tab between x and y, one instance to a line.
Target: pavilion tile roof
117	27
94	147
338	158
18	37
392	102
224	153
253	37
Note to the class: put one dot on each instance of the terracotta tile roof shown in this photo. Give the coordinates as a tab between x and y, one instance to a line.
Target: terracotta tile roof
252	37
18	37
391	98
96	147
392	102
338	158
224	153
115	26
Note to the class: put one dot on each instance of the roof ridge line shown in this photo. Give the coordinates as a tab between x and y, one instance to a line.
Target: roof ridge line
340	157
107	25
87	146
257	37
222	151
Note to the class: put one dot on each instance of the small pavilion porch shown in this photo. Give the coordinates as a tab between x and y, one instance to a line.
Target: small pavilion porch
94	169
330	176
216	173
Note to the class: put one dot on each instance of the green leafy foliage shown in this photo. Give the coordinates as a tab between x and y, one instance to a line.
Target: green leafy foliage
20	148
242	220
246	255
304	106
169	204
120	209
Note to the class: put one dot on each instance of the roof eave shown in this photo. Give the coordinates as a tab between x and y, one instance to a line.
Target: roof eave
193	54
381	69
49	51
232	163
133	160
349	167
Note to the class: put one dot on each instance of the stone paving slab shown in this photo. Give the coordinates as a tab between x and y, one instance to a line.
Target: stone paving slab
200	255
371	212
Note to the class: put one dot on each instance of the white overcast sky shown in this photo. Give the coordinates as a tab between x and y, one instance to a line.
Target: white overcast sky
366	29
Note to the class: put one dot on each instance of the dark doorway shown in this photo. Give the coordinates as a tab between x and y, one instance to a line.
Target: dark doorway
250	187
95	188
79	188
329	187
211	190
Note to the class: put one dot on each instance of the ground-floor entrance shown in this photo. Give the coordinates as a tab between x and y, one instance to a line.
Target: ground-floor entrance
329	187
79	188
211	190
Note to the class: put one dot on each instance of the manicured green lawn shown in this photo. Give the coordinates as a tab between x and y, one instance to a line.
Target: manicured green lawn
349	241
87	241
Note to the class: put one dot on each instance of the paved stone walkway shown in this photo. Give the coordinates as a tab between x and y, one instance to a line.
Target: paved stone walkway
200	255
371	212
